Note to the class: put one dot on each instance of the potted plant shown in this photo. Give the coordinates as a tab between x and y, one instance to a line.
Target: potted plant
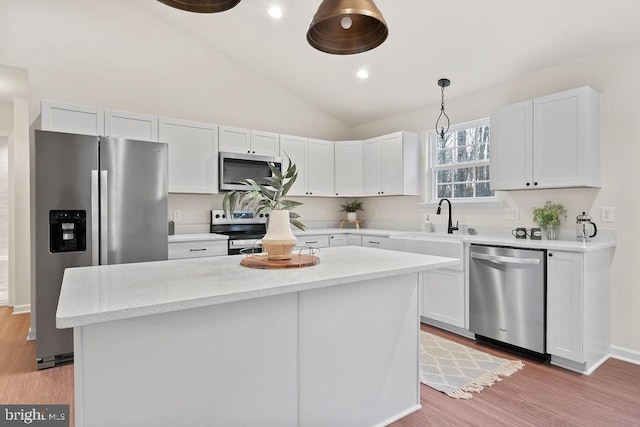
279	240
549	217
351	208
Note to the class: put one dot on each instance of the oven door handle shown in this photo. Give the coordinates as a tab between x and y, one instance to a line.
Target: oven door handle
244	242
505	259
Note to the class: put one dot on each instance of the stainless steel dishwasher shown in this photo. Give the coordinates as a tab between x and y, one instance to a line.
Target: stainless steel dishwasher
507	288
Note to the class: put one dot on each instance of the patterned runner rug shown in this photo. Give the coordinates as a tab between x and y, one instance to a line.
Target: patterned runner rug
457	370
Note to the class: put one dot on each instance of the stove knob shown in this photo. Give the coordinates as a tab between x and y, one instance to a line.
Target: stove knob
224	215
261	215
267	215
217	215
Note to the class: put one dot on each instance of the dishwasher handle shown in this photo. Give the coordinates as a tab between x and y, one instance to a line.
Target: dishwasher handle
505	259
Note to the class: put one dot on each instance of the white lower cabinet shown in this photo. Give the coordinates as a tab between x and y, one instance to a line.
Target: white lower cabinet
197	249
443	296
578	308
354	240
379	242
336	240
316	240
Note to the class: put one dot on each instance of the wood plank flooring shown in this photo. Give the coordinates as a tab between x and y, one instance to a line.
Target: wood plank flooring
538	395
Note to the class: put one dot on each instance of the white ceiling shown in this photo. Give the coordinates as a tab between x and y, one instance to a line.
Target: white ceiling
476	44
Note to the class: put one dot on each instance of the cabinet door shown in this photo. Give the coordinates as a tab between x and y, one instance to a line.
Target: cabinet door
354	240
512	147
265	143
193	155
68	118
320	168
558	139
235	140
348	168
443	296
564	305
296	148
205	248
375	242
392	169
372	166
122	124
337	240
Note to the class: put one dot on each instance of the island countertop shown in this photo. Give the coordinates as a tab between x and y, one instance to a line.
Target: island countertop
113	292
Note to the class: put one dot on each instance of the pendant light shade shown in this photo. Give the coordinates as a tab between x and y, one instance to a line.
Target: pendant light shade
345	27
201	6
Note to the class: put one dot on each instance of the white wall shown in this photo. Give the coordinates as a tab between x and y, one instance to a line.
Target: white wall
615	75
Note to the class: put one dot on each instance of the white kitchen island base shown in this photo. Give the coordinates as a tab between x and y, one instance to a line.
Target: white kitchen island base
334	355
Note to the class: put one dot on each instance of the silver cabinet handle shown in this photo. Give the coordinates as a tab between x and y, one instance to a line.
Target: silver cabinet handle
95	219
308	242
104	218
505	259
374	243
197	250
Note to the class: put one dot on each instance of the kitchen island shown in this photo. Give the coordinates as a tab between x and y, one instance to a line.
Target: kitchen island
206	341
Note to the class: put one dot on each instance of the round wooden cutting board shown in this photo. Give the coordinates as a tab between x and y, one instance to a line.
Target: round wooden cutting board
263	261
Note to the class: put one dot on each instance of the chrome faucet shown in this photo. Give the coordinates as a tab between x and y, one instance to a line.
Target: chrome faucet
450	227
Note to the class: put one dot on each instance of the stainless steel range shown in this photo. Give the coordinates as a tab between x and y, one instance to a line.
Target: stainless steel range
245	229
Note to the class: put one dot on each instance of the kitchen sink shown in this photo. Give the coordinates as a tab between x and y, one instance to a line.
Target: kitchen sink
439	244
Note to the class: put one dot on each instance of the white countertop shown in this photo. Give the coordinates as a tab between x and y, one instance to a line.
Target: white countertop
196	237
112	292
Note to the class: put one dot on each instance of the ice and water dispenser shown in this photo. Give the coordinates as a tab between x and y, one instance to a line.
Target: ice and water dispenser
67	231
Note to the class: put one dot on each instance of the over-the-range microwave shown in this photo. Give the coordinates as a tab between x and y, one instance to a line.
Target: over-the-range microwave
235	167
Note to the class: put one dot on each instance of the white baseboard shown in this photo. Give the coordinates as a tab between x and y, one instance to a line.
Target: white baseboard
625	354
21	309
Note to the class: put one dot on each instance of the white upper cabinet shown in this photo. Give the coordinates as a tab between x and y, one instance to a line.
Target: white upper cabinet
69	118
295	147
238	140
265	143
235	140
320	168
122	124
391	165
314	161
193	155
548	142
348	168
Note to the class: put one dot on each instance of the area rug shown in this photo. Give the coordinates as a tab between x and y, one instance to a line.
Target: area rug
458	370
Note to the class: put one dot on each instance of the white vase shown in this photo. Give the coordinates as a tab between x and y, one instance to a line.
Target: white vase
279	240
352	216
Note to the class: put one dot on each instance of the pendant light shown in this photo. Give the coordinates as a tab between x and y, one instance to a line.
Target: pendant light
443	83
201	6
345	27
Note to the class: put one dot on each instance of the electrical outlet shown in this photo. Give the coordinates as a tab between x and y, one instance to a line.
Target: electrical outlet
374	213
607	214
426	218
513	214
177	215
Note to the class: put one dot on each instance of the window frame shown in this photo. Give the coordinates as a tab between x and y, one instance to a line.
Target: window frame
431	184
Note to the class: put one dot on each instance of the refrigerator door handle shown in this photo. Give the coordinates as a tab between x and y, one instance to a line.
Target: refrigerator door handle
95	219
104	218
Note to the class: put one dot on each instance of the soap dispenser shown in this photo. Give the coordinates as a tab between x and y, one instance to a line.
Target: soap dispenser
427	225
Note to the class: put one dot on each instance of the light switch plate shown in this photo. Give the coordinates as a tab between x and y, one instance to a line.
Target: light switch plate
607	214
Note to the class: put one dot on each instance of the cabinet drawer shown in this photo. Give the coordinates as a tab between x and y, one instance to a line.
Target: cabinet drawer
317	241
338	240
197	249
354	240
375	242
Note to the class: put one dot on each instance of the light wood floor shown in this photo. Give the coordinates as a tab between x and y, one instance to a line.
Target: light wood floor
538	395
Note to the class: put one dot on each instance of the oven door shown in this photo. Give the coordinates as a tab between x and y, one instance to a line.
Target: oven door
236	245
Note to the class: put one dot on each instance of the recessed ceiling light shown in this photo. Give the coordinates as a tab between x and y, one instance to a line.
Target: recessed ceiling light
363	74
275	12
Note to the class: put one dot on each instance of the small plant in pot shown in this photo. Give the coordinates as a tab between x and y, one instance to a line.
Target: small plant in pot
351	208
279	240
549	218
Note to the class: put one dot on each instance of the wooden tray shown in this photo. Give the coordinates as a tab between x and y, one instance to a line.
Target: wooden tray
263	261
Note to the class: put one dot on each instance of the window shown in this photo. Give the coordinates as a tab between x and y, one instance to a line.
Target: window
460	162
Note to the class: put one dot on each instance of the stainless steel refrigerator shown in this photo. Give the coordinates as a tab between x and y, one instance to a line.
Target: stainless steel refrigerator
98	201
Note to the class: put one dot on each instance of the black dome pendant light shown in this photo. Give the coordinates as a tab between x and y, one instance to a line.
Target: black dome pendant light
201	6
443	83
345	27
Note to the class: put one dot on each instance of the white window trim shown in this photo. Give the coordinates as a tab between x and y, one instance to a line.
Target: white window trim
429	196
